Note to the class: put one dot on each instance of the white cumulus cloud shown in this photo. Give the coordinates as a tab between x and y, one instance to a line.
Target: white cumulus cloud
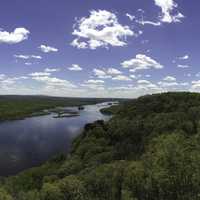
100	29
106	73
143	22
185	57
17	36
37	74
113	71
47	49
169	79
131	17
54	82
52	70
51	82
101	74
141	62
93	81
169	11
167	84
195	85
26	57
121	78
36	57
183	66
28	63
147	22
75	67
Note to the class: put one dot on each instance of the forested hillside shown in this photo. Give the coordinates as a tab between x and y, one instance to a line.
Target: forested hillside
17	107
150	150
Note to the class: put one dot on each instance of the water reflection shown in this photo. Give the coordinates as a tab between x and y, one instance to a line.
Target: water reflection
30	142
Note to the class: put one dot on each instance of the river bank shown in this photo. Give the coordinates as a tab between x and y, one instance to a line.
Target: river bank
20	107
32	141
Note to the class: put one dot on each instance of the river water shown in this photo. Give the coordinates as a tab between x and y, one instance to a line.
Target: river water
30	142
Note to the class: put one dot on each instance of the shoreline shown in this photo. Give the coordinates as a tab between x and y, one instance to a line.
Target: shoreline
57	155
51	110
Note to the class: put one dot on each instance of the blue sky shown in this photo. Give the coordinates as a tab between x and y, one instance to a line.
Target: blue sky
107	48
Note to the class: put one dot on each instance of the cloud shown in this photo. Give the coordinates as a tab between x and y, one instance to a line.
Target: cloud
53	81
113	71
148	75
134	91
100	29
46	85
184	84
94	84
185	57
5	78
144	41
167	84
141	62
78	44
121	78
106	73
142	22
37	74
36	57
47	49
17	36
195	85
169	12
131	17
143	82
147	86
28	63
122	88
133	76
9	83
169	79
93	81
101	74
75	67
2	76
197	74
170	82
188	74
52	70
94	87
26	57
183	66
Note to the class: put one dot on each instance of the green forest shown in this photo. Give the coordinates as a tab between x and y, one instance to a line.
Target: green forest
18	107
149	150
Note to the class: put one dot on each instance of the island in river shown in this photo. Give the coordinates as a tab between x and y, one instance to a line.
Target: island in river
19	107
149	150
33	140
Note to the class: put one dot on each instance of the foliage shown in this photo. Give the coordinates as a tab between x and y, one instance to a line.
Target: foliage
18	107
4	195
150	150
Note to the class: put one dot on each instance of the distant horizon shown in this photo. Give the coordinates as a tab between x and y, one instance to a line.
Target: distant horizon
79	97
99	49
73	97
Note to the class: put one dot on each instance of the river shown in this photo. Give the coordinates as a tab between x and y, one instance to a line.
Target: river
32	141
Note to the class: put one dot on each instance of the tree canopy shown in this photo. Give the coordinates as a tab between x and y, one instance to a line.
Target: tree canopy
149	150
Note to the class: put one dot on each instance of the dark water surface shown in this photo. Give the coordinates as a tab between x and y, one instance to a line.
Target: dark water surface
32	141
